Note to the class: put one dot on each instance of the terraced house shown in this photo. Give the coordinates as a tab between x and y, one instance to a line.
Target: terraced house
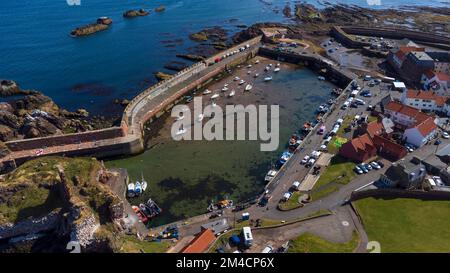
426	101
419	128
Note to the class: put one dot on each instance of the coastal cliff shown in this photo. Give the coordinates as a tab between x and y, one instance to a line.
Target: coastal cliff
102	23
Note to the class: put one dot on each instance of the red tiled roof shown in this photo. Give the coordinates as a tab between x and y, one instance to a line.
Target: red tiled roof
388	146
361	143
201	242
375	128
407	110
443	76
424	95
426	127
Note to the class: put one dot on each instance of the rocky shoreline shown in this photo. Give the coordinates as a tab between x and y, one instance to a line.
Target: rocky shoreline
29	114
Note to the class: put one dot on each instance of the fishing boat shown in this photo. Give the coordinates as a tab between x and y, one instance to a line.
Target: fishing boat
143	183
200	117
256	75
224	89
248	87
130	191
236	78
150	209
321	78
215	96
140	214
231	93
307	126
277	69
268	79
206	92
241	82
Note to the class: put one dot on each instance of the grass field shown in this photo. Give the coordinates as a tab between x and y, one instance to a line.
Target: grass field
308	243
339	172
292	203
407	225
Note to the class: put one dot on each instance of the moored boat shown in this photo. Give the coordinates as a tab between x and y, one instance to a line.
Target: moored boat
206	92
277	69
321	78
248	87
232	93
256	75
137	188
215	96
130	191
267	79
241	82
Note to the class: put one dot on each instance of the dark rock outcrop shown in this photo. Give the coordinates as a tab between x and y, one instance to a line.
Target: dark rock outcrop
102	24
135	13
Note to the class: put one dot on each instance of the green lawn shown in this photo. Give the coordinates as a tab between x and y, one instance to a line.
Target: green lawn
340	171
308	243
407	225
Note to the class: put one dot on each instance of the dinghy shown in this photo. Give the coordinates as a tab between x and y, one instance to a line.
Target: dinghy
248	87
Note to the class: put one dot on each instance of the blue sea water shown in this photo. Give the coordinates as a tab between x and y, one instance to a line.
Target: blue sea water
37	51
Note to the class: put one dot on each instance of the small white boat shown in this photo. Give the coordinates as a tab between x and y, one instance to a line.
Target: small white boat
321	78
249	66
257	62
256	75
248	87
236	78
225	85
215	96
267	68
270	65
267	79
206	92
200	117
130	192
231	93
278	64
143	183
276	69
137	188
224	89
249	72
241	82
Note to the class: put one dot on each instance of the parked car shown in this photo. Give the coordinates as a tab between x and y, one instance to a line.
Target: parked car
409	148
438	181
375	165
368	166
363	168
358	170
305	159
445	135
380	163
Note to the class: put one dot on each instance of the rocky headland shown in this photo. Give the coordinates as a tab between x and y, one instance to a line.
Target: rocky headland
29	113
69	199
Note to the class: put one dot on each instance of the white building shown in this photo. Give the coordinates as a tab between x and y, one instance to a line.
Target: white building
418	127
436	81
424	100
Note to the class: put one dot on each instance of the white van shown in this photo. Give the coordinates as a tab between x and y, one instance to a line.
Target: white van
247	235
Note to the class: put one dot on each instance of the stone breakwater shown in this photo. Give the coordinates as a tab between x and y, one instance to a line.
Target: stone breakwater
102	23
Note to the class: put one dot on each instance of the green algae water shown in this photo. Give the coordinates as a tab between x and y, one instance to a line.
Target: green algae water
184	176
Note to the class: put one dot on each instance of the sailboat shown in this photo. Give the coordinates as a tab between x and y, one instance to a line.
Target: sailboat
143	183
232	93
248	87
